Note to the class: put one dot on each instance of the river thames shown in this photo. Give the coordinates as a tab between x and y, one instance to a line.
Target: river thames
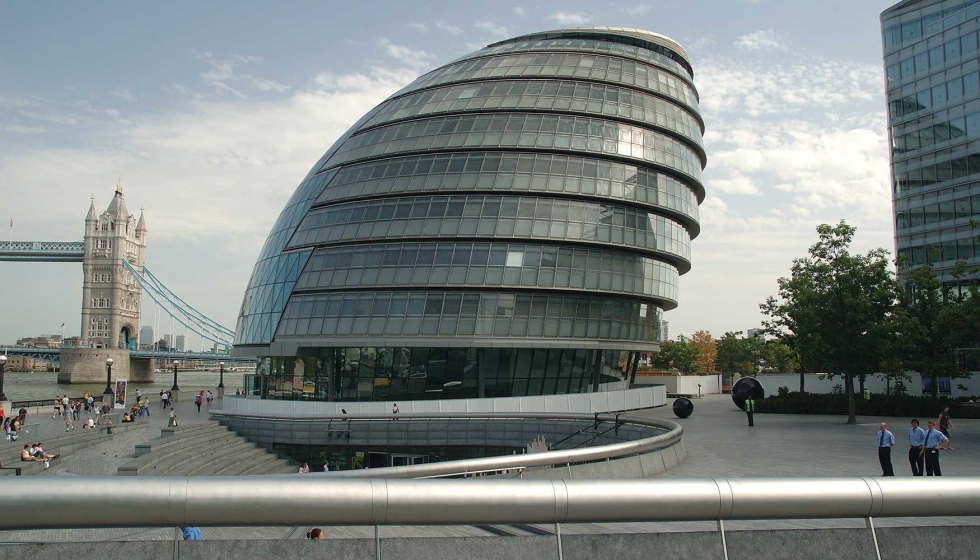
25	386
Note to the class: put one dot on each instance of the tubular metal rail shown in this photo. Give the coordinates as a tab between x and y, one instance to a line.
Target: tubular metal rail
261	501
503	462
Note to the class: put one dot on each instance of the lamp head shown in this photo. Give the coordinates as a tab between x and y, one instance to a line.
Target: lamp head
3	359
222	364
108	361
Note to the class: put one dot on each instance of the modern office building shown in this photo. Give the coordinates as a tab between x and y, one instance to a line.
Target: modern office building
146	336
179	343
932	66
512	223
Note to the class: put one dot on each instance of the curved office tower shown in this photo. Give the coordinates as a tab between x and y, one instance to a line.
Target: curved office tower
510	224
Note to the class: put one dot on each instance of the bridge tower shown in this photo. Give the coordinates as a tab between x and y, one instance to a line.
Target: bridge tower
110	295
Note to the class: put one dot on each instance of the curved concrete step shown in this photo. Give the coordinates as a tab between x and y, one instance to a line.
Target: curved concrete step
272	467
177	457
238	464
226	460
202	443
173	436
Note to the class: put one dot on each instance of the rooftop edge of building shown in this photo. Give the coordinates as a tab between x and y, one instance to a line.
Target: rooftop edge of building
643	38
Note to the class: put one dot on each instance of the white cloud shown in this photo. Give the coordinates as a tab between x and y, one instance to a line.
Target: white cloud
414	58
491	27
639	9
735	184
269	85
570	18
760	40
124	94
19	129
519	12
419	26
448	27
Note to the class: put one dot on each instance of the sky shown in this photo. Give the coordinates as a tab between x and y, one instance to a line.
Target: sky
211	113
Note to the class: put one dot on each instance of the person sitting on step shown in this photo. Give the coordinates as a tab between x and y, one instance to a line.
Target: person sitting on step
25	454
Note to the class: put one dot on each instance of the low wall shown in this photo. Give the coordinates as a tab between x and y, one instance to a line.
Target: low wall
684	384
817	383
905	543
587	403
87	365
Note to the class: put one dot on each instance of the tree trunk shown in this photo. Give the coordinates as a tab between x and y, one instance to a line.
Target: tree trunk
849	390
935	386
802	379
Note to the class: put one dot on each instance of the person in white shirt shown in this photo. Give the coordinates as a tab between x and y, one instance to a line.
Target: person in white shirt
885	442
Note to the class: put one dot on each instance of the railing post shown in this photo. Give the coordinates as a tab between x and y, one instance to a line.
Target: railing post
724	542
874	535
558	536
177	535
377	543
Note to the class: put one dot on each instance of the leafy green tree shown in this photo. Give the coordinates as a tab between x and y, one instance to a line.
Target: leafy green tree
837	307
681	355
933	322
779	357
736	354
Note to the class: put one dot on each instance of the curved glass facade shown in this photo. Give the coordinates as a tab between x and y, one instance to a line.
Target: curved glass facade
510	224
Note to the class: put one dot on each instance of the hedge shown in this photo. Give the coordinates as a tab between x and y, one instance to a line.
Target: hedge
923	408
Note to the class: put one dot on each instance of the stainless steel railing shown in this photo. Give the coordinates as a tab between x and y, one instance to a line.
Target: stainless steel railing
672	436
262	501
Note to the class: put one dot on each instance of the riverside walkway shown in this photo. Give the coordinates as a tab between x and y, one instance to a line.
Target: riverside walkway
718	443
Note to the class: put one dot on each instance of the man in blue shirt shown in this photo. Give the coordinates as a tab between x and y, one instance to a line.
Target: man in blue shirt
917	438
885	442
933	442
192	533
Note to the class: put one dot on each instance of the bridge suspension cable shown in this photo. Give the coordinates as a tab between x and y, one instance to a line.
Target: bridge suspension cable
179	310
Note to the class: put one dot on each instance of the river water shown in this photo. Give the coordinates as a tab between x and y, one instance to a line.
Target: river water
25	386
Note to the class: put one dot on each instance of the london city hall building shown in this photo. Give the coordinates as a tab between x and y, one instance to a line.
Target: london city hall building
510	224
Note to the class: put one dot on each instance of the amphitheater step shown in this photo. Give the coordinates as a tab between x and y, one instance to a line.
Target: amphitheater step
202	450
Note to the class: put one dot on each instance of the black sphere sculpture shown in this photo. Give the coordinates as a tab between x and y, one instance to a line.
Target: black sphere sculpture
744	387
683	407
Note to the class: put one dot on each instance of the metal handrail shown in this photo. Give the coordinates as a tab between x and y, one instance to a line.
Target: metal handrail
503	462
260	501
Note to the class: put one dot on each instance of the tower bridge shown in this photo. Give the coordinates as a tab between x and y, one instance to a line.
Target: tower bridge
115	277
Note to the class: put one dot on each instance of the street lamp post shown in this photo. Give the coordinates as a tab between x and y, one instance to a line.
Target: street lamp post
107	394
175	390
221	380
3	362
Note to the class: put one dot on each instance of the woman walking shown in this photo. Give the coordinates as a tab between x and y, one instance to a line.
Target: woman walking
945	425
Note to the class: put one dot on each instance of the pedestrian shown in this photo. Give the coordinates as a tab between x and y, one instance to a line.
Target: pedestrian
89	402
934	441
210	398
64	405
750	409
85	399
945	425
98	414
78	410
173	418
304	468
394	408
166	395
22	414
197	401
326	466
315	534
917	437
68	425
885	442
139	395
108	426
191	533
57	406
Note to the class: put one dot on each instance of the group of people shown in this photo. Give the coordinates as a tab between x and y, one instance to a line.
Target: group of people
12	426
203	395
165	399
34	452
305	467
924	446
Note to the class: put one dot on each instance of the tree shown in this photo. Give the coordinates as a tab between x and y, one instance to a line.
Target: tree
934	322
779	357
707	351
837	307
737	354
680	355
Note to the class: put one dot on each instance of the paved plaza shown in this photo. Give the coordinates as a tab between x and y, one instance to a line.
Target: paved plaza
718	443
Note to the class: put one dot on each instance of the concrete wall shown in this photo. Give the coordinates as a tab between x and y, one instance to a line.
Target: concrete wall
589	403
906	543
141	370
817	383
684	384
87	365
